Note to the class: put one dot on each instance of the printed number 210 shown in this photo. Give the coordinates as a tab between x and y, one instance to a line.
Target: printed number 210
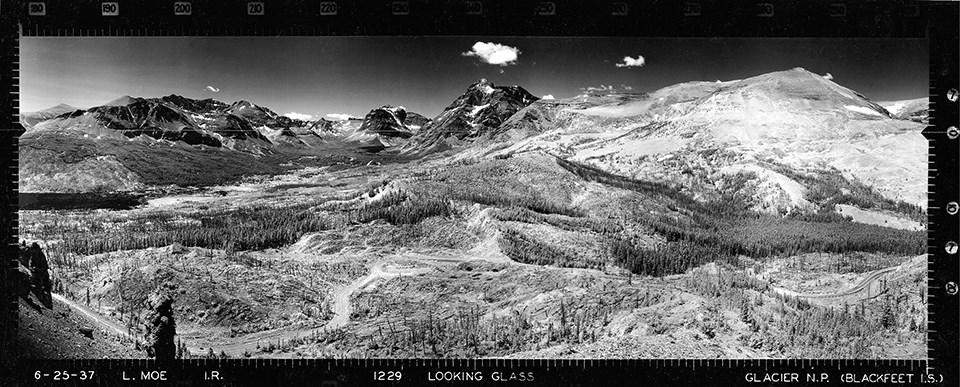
255	8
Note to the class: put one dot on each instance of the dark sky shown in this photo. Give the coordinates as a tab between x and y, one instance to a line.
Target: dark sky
322	75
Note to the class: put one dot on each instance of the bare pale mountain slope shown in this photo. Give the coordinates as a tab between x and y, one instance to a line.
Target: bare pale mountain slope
28	120
772	129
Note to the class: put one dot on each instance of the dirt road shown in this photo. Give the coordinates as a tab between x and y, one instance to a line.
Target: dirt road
95	317
248	343
340	308
867	288
341	297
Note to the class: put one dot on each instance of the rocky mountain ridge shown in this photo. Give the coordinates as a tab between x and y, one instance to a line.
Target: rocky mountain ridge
481	109
773	131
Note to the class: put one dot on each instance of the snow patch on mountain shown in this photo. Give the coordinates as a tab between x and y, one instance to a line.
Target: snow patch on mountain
863	110
634	147
477	109
895	108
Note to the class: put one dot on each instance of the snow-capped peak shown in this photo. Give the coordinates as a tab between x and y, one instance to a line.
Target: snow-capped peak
484	85
394	109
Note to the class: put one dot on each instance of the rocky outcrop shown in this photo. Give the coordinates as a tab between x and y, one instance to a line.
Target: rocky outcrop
387	127
415	121
160	327
386	121
35	270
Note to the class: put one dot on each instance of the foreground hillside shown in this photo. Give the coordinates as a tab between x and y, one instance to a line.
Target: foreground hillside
567	258
64	333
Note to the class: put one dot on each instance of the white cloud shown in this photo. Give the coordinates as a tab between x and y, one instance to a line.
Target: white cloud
338	117
632	62
828	76
601	88
213	89
298	116
548	96
493	53
626	87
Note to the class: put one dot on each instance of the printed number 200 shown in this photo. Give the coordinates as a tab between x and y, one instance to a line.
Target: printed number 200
182	8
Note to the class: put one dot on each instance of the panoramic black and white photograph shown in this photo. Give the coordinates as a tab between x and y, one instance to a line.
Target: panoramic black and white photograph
472	197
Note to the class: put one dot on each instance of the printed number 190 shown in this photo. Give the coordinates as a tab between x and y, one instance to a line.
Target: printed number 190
110	9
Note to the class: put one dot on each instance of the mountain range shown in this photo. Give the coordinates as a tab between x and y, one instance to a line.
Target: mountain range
783	132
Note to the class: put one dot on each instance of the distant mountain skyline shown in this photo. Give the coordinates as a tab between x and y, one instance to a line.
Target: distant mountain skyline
319	76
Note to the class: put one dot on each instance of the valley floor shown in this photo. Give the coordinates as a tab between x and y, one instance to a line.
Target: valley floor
507	258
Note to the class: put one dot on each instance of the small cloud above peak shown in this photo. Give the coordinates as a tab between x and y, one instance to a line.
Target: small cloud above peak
627	61
548	96
298	116
602	87
828	76
494	53
607	89
338	116
212	89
